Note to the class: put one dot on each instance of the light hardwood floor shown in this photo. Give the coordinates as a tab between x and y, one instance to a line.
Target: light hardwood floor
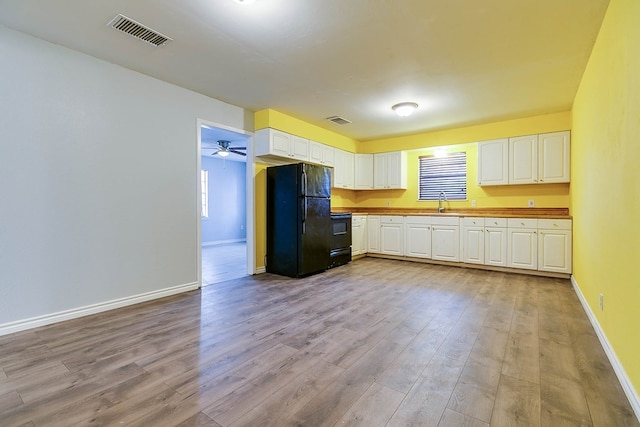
373	343
223	262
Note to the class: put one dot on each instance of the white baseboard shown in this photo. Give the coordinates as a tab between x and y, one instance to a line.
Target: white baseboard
626	384
223	242
34	322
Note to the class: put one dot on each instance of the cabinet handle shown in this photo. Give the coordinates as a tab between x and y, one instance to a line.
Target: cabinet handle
522	224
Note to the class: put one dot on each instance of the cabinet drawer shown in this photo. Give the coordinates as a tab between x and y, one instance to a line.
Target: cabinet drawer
554	224
522	223
473	222
495	222
417	220
358	219
445	220
391	219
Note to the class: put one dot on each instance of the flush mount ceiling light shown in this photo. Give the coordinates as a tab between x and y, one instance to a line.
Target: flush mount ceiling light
245	2
405	109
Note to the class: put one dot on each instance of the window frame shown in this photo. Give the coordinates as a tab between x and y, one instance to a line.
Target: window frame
456	190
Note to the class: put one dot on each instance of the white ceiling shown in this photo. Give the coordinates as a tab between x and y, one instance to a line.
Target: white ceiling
463	61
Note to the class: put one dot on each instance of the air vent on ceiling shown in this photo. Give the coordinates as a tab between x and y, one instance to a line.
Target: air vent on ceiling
139	31
338	120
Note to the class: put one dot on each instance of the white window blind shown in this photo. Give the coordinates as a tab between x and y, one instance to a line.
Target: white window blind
448	174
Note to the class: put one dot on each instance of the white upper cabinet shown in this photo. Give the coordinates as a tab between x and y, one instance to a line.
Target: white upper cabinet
363	171
553	157
523	160
272	142
343	169
390	170
531	159
493	162
321	154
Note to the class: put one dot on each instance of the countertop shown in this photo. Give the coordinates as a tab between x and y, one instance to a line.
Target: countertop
545	213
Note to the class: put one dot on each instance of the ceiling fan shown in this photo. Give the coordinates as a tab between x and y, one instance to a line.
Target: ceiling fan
224	149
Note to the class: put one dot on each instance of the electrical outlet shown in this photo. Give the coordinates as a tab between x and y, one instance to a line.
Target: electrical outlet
473	203
601	302
530	204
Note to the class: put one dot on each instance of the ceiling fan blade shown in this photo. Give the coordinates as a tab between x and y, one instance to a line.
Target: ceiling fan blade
237	152
237	148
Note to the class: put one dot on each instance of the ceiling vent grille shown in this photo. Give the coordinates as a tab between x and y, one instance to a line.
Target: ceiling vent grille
338	120
139	31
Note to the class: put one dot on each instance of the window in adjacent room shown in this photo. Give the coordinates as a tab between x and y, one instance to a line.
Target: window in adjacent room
446	173
204	188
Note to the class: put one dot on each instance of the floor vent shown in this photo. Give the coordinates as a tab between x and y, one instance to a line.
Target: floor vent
338	120
139	31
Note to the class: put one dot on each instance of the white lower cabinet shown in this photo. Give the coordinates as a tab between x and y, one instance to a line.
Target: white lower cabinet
522	243
445	238
373	234
554	245
358	234
392	235
417	237
495	242
472	243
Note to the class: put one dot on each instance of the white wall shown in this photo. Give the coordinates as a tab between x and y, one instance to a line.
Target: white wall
98	173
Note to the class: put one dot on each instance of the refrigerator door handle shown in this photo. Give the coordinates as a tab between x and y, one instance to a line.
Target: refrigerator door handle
304	216
303	177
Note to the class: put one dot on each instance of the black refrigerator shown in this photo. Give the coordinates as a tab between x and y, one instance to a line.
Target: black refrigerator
298	219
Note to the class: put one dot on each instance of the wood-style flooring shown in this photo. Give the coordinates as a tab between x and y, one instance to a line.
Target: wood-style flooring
373	343
223	262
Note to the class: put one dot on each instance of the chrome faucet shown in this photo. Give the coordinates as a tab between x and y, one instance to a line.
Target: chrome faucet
440	197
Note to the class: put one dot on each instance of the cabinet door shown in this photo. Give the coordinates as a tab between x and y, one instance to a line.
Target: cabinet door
363	172
495	246
391	239
554	251
523	160
523	248
315	152
396	169
553	157
373	234
280	143
445	242
341	169
473	244
417	240
493	162
358	235
328	155
299	148
349	170
380	171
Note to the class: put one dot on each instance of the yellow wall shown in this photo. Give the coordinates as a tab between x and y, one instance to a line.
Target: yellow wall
605	194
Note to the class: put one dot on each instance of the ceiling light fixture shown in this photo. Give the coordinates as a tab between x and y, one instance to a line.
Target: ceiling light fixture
405	109
245	2
223	153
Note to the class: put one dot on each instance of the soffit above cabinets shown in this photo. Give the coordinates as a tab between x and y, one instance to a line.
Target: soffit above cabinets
463	62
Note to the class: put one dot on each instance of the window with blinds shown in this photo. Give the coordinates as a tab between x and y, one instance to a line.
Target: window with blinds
448	174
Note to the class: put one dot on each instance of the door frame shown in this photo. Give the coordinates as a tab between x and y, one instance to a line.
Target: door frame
249	194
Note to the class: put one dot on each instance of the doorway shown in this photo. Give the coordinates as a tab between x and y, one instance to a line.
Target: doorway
225	190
